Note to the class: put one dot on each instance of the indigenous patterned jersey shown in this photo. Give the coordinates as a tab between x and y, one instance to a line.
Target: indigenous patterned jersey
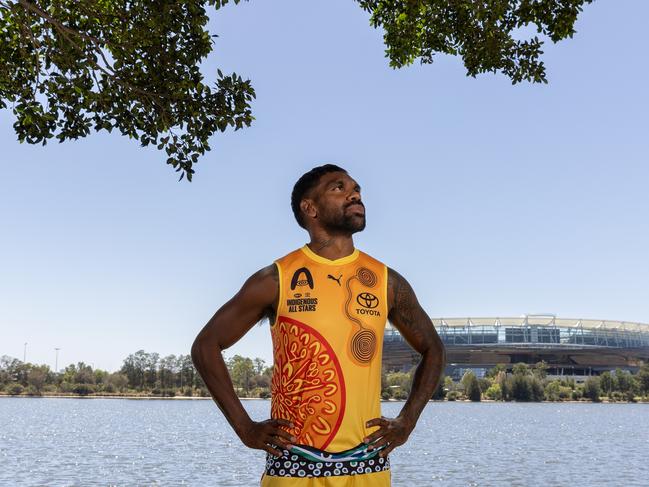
327	345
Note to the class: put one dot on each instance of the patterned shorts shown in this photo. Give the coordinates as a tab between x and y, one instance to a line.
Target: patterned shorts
304	461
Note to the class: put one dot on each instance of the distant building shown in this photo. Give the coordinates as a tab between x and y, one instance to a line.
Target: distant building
578	347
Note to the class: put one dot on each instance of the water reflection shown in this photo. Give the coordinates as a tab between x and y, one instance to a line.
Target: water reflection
66	442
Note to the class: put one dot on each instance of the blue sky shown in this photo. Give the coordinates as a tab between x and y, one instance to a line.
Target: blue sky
491	199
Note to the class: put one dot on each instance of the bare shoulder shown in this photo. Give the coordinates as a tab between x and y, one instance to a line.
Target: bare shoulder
263	285
266	275
407	315
399	290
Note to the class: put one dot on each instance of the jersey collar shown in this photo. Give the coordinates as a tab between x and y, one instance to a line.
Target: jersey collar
322	260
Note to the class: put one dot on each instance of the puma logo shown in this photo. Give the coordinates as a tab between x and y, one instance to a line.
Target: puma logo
329	276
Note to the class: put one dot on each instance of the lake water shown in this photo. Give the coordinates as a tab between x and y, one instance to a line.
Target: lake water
84	442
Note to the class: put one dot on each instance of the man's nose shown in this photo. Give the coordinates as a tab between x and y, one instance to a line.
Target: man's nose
355	195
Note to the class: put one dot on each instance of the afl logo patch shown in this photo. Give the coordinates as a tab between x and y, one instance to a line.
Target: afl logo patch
367	300
302	277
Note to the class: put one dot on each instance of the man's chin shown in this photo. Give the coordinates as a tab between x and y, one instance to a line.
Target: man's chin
350	225
357	225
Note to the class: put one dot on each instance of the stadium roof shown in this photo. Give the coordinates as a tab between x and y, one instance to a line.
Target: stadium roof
542	320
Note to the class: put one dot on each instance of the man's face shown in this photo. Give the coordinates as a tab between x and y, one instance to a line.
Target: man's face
338	205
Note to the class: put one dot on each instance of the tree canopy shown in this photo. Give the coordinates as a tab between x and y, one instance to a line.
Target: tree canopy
484	33
68	67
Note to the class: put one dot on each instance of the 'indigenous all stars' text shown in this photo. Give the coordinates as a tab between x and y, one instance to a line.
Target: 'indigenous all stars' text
301	304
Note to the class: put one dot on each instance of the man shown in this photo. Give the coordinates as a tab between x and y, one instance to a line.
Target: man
327	304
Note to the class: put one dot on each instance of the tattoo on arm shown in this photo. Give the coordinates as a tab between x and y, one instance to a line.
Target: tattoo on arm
407	315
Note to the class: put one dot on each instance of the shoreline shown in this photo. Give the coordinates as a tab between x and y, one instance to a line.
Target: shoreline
198	398
107	396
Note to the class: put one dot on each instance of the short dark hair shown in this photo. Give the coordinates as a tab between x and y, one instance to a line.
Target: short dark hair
305	184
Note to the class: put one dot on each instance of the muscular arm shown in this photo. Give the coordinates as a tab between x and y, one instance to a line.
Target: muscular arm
406	314
416	327
256	299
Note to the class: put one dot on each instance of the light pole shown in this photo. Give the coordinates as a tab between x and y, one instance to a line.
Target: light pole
56	362
25	353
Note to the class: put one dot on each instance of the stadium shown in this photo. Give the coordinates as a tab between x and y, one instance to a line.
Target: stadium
573	347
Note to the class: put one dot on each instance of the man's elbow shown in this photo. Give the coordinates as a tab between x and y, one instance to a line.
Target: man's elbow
196	350
203	347
442	356
439	351
199	349
436	353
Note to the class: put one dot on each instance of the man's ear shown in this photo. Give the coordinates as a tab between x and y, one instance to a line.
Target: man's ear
308	208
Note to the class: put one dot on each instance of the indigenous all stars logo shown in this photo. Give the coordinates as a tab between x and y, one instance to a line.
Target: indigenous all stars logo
308	388
302	278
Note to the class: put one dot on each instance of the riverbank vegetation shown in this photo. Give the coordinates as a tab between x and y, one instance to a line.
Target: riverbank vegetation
524	383
142	374
149	375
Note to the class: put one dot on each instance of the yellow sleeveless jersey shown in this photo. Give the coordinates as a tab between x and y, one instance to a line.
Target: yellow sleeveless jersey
327	345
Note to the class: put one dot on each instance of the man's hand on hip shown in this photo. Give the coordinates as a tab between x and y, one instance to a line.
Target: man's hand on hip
391	434
264	435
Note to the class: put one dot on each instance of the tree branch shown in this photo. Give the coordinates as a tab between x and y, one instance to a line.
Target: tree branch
108	70
59	25
36	45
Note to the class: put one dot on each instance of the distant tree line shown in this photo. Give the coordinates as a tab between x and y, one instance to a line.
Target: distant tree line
148	374
526	383
142	374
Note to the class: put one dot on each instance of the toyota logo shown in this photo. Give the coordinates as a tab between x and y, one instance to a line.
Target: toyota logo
367	300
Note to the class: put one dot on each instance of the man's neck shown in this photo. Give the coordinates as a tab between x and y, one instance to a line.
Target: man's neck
331	247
